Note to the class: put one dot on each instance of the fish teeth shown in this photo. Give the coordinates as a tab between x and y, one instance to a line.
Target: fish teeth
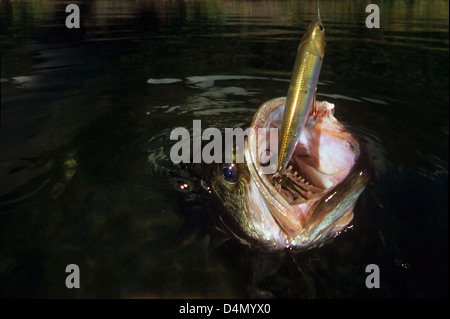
303	193
300	191
291	195
278	187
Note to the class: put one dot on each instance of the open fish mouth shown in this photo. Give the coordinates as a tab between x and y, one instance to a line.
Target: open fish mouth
313	199
323	157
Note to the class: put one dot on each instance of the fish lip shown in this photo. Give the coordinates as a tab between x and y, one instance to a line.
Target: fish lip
298	231
276	203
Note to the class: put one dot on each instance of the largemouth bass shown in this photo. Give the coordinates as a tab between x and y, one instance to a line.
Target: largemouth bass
327	168
327	172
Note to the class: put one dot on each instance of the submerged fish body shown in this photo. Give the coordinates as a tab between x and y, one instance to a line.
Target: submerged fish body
327	172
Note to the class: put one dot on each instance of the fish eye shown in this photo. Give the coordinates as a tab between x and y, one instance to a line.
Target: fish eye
229	172
321	27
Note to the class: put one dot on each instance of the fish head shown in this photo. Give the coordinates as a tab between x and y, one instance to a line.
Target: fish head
315	199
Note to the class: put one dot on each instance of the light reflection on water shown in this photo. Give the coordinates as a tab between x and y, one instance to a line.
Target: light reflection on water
108	95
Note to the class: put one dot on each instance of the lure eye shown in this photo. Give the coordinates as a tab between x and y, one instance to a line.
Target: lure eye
229	172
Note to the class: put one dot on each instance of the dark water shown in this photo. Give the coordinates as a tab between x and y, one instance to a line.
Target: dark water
86	116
